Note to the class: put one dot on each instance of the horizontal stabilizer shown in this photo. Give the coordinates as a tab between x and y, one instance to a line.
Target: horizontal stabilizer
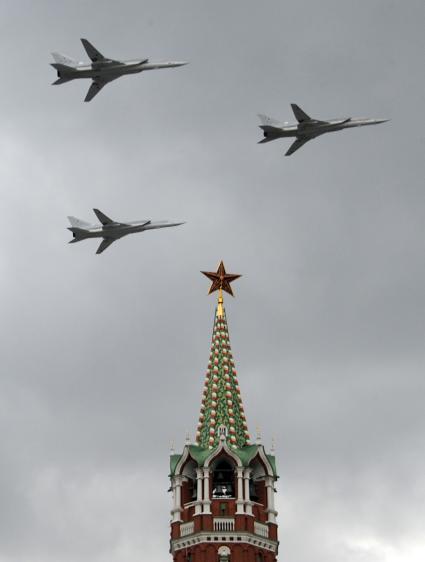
77	234
268	139
300	115
61	81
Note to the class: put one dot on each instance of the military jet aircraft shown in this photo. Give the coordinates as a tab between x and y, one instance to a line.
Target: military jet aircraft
307	128
111	230
102	70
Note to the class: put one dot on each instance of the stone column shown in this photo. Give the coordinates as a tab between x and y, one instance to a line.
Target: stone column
206	502
198	506
239	498
177	493
248	504
271	512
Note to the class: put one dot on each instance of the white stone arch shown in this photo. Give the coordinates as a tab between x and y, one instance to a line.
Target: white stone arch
262	454
223	447
182	460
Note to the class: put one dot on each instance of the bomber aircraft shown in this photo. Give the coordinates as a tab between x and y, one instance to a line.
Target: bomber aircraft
307	128
102	70
111	230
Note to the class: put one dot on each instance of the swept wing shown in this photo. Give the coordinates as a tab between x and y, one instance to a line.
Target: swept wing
106	242
103	219
97	85
296	145
95	55
300	115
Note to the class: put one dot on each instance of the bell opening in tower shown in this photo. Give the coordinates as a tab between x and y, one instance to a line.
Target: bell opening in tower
223	480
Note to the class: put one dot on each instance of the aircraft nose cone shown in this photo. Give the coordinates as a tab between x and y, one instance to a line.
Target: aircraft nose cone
181	63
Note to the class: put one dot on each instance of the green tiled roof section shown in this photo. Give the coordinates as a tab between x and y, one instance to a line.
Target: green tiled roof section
272	461
200	454
221	400
247	453
174	459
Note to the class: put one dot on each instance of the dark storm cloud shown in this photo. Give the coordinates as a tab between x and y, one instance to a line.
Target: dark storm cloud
103	356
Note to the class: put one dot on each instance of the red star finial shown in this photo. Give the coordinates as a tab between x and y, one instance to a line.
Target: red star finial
220	279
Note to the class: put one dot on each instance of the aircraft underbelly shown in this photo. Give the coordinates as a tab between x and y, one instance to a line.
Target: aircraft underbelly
108	73
319	130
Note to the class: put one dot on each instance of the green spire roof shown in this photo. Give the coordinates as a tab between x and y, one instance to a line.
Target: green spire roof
221	399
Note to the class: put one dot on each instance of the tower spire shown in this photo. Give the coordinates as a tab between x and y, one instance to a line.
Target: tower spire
223	486
222	411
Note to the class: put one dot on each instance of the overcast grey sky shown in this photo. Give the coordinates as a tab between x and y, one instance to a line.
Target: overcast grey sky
103	357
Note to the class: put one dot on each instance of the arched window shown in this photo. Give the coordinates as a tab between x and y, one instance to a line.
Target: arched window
189	492
223	480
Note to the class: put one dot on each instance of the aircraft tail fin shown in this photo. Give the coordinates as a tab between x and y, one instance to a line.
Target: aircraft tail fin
300	115
268	121
78	223
271	128
64	60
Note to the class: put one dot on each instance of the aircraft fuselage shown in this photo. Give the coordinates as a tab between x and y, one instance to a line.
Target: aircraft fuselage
117	230
111	70
316	128
307	128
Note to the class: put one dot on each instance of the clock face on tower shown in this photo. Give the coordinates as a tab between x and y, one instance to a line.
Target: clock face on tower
224	554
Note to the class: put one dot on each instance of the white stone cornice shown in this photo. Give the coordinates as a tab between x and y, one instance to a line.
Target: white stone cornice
226	537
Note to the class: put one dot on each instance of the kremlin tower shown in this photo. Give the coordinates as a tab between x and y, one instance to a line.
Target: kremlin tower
223	486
